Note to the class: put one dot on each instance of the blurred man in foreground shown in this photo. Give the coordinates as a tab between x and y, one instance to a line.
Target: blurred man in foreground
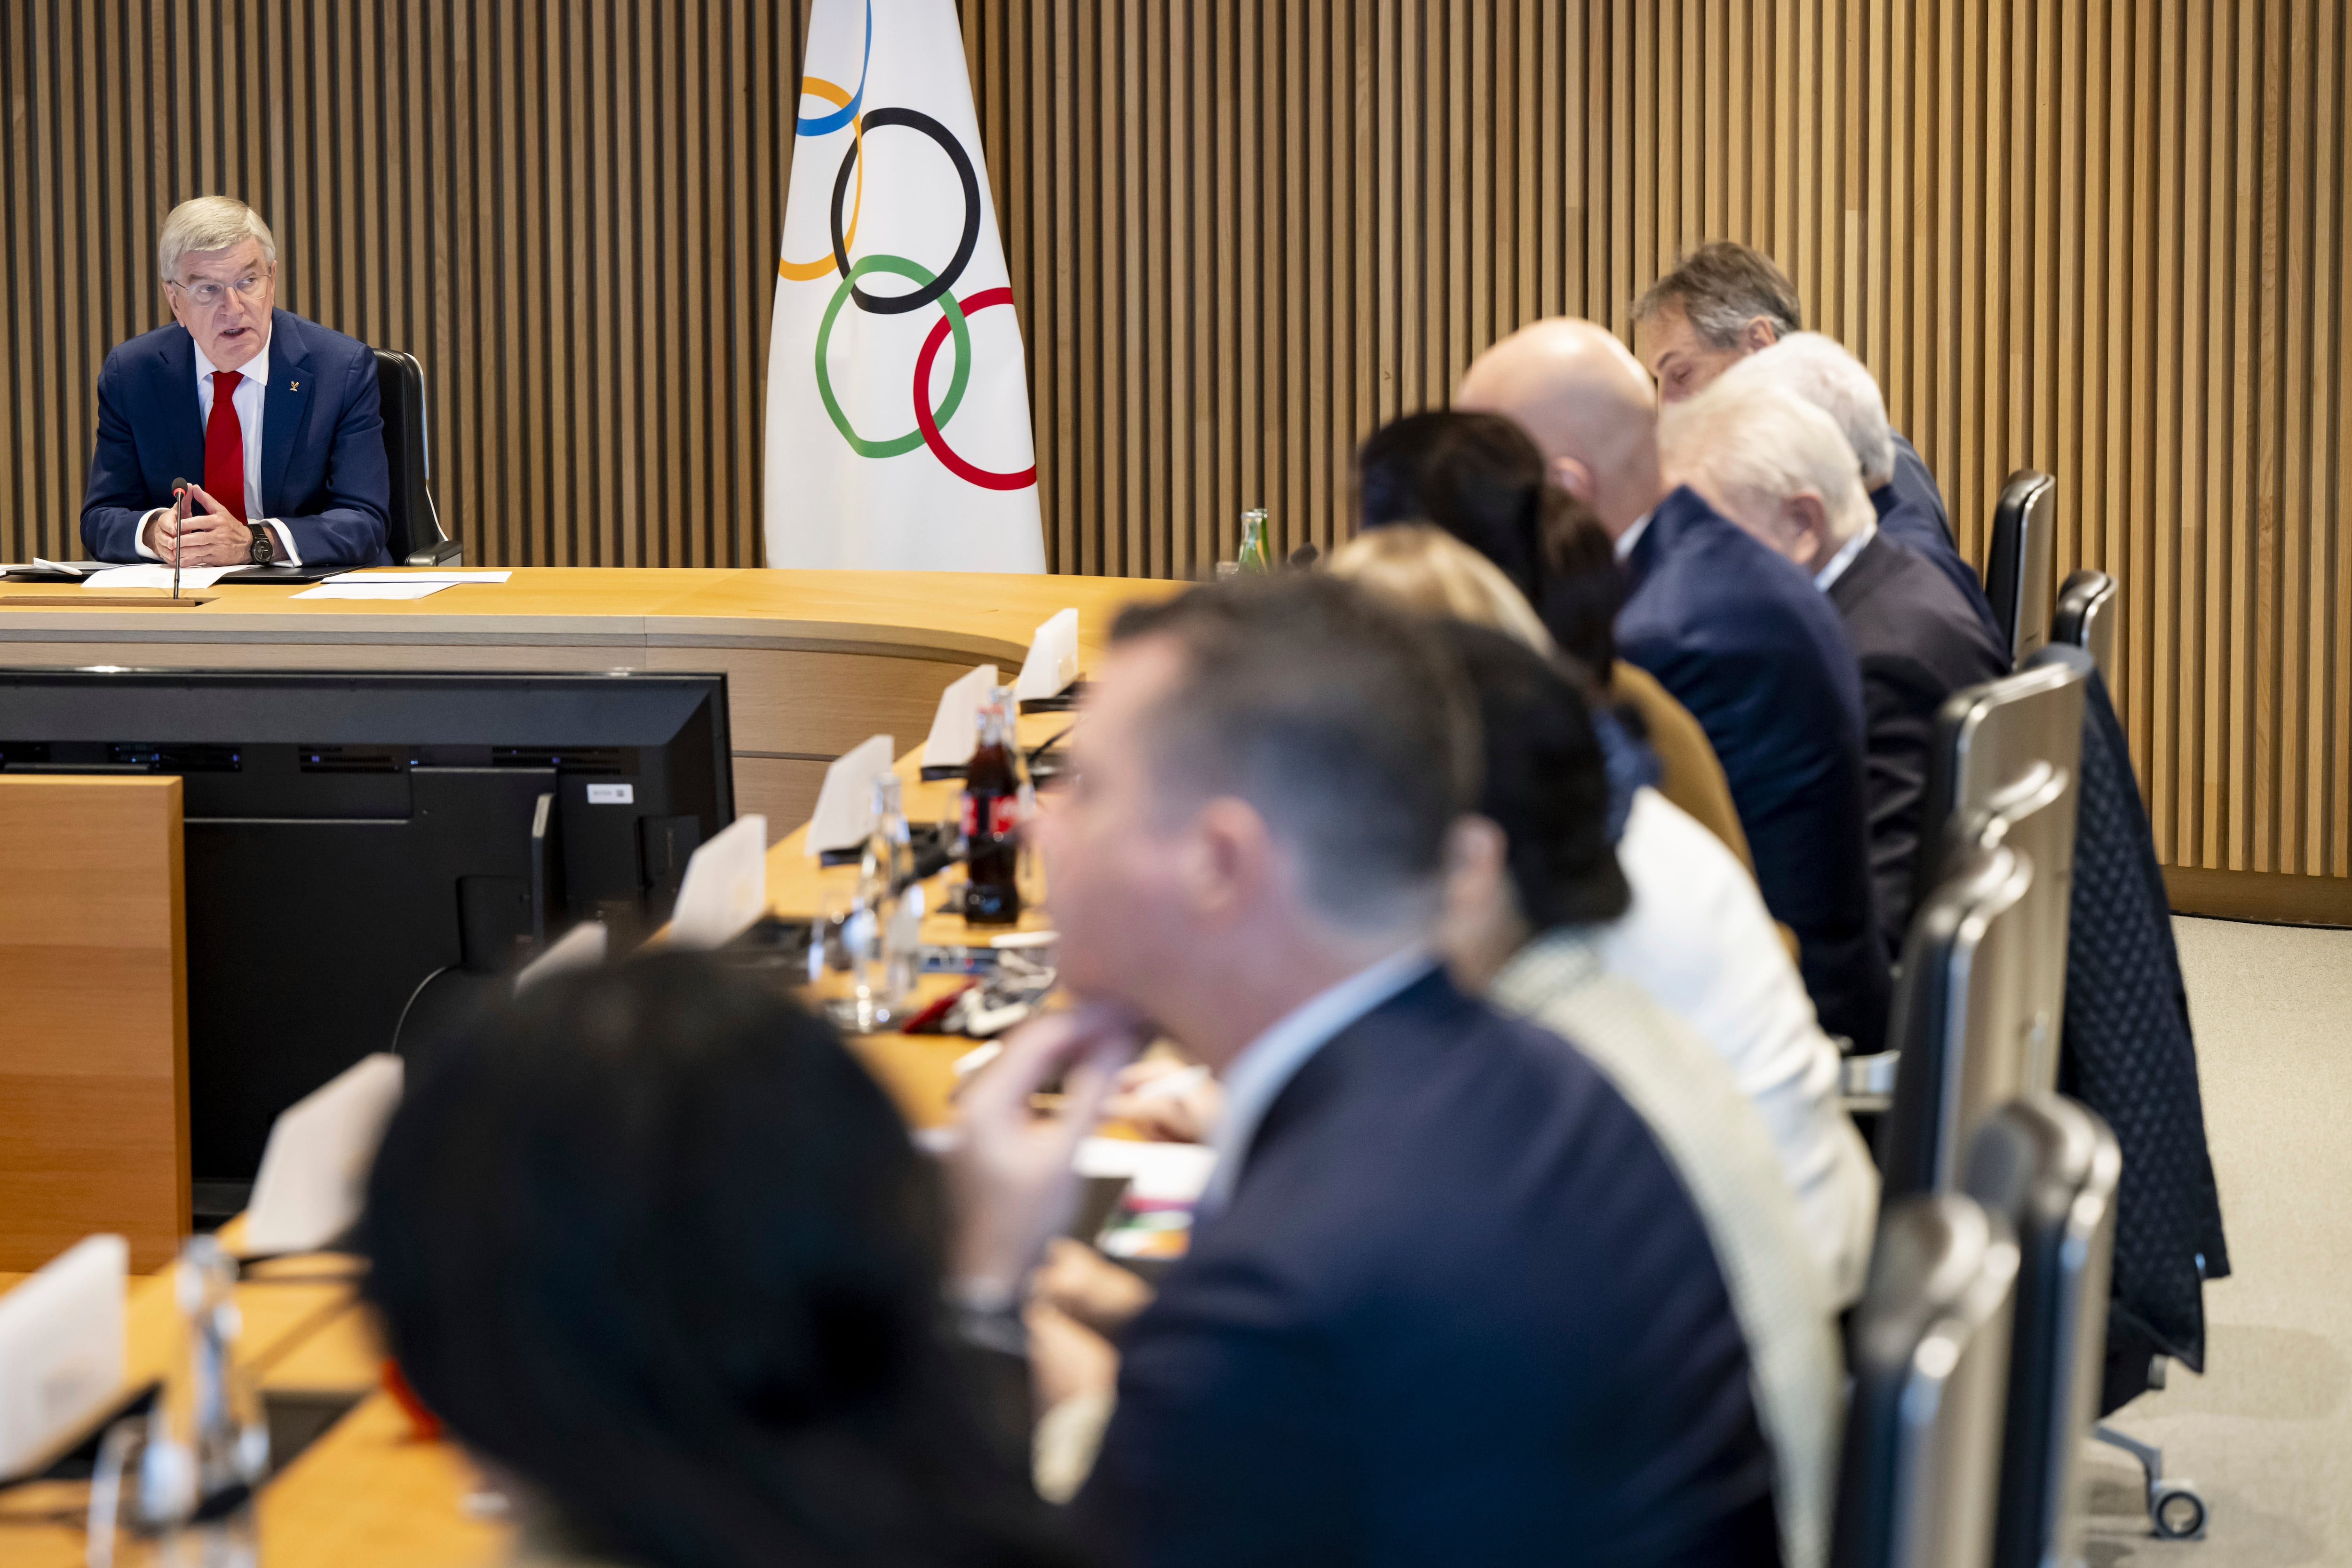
273	419
1447	1299
1740	638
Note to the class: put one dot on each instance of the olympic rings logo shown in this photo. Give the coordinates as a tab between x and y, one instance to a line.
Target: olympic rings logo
931	288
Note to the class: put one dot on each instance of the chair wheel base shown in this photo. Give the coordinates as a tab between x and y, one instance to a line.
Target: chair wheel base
2176	1511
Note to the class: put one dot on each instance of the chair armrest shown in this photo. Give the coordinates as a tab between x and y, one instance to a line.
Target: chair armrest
442	552
1866	1084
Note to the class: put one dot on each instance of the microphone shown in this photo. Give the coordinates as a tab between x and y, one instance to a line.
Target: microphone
179	489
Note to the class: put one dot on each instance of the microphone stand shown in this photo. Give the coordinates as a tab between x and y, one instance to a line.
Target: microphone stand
180	514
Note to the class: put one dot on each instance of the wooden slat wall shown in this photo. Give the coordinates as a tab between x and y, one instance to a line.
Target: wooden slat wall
2104	237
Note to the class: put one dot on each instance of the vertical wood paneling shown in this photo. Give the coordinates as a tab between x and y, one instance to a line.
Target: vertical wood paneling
2104	237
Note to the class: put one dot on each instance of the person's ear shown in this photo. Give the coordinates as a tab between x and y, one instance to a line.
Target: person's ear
1759	333
1805	519
1227	860
1477	855
1573	477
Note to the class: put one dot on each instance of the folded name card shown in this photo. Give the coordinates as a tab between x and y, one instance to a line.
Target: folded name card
1053	662
62	1350
955	728
844	817
581	947
314	1169
725	886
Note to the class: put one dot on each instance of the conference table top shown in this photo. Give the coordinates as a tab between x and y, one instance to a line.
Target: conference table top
368	1490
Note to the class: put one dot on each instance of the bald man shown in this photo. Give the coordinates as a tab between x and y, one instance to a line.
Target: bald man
1737	632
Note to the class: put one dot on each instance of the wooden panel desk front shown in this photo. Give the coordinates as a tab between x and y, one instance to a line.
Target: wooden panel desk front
93	1016
816	661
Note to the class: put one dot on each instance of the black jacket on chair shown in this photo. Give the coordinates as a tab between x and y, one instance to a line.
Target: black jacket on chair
1459	1309
2127	1054
1919	643
1911	509
1744	640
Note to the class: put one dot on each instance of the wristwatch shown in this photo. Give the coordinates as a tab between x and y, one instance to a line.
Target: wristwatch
264	545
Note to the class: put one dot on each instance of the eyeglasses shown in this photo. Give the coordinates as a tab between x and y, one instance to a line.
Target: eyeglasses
208	294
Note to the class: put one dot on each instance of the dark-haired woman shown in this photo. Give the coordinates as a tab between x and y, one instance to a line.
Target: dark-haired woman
652	1244
1481	478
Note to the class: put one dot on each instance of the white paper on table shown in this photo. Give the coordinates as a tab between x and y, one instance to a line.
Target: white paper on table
581	947
844	817
372	590
314	1168
396	574
61	1349
955	728
1052	660
1171	1173
77	569
154	576
725	886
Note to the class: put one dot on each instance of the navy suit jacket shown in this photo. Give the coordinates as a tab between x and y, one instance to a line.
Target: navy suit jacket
1919	643
1458	1310
1911	511
323	472
1744	640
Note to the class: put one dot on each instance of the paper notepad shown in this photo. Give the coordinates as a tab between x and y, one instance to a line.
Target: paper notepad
1053	662
372	590
154	576
955	728
844	817
382	574
314	1169
725	886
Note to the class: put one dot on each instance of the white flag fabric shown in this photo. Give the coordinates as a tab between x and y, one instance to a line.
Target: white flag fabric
898	412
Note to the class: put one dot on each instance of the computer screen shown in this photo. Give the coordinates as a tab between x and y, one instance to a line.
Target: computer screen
366	852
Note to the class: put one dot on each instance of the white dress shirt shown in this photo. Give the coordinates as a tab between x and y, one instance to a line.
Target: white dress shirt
1844	557
1266	1065
1631	537
248	401
1698	939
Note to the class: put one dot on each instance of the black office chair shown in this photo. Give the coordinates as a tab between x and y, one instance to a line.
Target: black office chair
1919	1469
2049	1167
2022	567
2088	604
413	533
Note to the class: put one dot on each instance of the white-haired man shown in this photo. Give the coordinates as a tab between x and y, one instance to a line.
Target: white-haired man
272	420
1781	468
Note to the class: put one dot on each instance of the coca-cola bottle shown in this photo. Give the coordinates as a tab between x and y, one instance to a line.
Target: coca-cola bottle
991	817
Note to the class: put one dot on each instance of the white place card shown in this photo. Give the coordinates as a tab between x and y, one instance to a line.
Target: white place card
955	726
725	886
314	1169
61	1349
581	947
1053	662
844	817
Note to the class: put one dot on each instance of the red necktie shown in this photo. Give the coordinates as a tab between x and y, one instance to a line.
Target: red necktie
225	446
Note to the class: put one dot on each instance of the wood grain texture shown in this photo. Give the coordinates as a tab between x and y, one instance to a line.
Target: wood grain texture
93	1058
2103	237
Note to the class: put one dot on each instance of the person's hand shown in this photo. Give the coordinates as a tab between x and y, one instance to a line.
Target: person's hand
1168	1103
1067	1358
1082	1283
210	537
1009	1172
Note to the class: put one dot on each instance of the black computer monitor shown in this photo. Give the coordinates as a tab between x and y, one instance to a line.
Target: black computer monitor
367	851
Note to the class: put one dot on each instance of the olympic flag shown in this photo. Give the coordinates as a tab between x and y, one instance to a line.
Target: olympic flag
898	413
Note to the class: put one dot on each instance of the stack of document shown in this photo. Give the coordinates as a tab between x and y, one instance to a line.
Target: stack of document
395	583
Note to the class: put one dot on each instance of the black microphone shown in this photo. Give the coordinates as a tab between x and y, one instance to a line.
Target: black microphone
179	489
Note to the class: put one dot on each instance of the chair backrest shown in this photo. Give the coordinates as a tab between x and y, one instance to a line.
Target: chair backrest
2005	764
2021	570
2088	604
1961	1020
2049	1166
1928	1348
414	528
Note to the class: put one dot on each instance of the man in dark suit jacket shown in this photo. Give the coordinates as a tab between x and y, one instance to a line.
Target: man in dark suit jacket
277	418
1725	301
1447	1301
1784	471
1739	638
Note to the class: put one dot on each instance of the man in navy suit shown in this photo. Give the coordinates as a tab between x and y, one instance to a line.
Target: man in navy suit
1725	301
1446	1302
277	415
1777	465
1738	635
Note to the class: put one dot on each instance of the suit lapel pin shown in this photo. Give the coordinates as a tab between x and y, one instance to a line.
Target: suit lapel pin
293	386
